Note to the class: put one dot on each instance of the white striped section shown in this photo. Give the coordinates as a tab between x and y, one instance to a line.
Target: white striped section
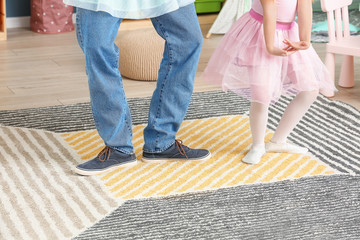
48	195
4	227
90	190
56	206
29	195
18	207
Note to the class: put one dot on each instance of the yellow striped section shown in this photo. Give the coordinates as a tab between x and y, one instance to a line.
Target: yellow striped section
228	138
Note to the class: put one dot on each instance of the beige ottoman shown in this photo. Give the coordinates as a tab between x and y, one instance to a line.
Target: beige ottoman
141	52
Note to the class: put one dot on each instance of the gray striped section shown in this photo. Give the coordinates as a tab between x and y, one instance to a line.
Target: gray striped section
79	117
40	197
330	129
308	208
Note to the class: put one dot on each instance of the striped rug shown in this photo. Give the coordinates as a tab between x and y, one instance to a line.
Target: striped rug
40	197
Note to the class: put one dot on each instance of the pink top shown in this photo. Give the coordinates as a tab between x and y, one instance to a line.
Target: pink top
286	10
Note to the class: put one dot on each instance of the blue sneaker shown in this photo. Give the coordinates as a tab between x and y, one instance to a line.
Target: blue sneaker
177	152
108	159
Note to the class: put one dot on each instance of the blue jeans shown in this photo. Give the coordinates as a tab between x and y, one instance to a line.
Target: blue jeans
96	32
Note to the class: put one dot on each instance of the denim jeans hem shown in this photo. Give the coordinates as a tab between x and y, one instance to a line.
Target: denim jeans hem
122	150
158	151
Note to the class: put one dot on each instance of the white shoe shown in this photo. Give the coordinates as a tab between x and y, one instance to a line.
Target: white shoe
284	148
254	155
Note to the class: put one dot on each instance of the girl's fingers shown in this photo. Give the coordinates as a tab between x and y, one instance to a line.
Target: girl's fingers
291	45
294	46
289	48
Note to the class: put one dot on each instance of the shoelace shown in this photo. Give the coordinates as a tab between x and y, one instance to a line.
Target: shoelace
179	145
104	154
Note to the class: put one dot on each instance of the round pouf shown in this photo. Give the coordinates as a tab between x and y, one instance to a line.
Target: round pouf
140	54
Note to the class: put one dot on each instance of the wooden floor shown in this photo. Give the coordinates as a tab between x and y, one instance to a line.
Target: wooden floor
38	70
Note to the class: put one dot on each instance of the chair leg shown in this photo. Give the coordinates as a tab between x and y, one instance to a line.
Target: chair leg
347	72
330	64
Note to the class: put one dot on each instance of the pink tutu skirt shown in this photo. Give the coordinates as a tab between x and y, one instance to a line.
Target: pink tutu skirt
241	63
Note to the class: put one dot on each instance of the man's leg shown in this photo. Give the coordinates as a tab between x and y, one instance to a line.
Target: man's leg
96	32
170	101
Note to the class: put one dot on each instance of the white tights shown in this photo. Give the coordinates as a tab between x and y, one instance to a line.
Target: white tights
291	117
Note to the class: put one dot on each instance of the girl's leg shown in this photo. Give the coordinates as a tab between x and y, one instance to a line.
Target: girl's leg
291	117
258	121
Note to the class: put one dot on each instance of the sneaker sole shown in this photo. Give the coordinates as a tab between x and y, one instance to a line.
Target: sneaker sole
158	160
89	173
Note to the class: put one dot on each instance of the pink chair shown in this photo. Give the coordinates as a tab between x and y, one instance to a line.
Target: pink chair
340	41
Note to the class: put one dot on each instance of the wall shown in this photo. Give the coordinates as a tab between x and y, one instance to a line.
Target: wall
17	8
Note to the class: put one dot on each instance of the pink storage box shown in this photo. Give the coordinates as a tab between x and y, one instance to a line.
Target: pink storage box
51	16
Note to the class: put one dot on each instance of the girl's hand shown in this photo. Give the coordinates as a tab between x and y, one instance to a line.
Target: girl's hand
280	52
291	46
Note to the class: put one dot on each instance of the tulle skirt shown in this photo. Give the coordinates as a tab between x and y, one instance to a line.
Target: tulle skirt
241	64
133	9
